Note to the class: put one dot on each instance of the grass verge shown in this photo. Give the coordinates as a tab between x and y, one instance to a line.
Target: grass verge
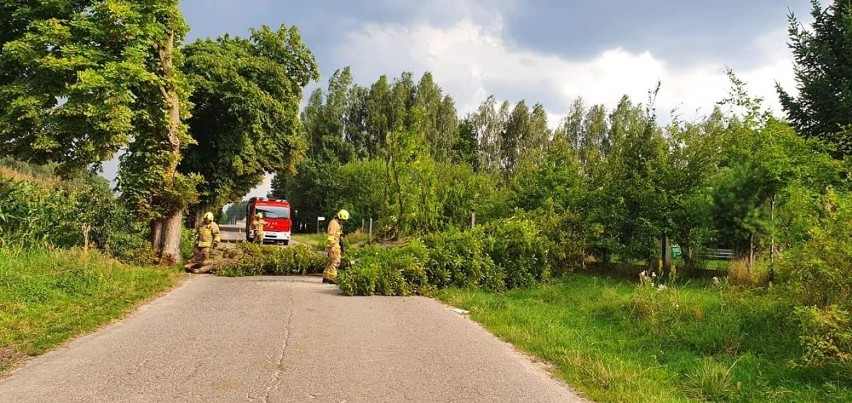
48	297
313	240
616	342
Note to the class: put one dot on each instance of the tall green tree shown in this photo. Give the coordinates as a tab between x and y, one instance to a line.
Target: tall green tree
489	123
380	117
537	136
823	108
511	139
116	67
357	121
466	148
246	116
440	121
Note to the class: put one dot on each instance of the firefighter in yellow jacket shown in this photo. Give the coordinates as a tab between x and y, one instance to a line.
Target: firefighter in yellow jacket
208	238
334	243
258	225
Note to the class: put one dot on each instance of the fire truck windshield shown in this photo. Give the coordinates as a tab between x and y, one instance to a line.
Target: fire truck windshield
273	212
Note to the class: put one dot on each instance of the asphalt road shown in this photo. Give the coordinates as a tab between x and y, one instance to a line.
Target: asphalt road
284	340
232	233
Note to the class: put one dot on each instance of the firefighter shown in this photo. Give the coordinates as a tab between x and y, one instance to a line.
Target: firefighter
258	225
334	244
208	237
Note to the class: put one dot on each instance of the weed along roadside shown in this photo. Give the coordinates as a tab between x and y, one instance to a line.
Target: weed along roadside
616	341
71	259
49	297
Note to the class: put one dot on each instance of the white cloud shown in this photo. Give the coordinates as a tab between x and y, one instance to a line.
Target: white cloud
471	61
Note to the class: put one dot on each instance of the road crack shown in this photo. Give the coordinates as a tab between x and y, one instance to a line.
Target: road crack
279	372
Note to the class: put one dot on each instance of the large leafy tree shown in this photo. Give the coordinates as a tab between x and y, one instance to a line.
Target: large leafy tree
823	62
85	79
246	115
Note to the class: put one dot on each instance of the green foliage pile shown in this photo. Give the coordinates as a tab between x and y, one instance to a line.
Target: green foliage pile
41	212
48	297
255	260
387	271
505	254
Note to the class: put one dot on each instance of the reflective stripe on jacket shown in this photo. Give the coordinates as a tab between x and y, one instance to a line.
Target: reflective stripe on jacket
208	234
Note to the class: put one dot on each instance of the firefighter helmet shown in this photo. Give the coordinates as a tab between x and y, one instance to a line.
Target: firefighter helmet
259	215
208	216
343	215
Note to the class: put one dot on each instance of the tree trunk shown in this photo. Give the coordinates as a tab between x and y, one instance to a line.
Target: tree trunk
666	256
750	253
170	253
156	235
169	247
686	253
772	239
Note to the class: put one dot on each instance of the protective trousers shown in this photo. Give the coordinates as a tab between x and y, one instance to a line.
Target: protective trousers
330	272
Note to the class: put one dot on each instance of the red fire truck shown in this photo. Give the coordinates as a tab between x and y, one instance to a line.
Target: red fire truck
276	213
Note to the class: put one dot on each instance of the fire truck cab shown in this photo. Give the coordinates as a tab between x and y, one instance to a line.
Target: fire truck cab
276	213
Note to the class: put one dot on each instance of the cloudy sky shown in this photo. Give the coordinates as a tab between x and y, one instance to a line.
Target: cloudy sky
547	51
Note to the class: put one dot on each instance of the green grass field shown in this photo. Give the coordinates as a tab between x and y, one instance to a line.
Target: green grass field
616	342
48	297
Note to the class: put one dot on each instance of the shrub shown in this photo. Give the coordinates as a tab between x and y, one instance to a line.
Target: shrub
459	259
739	273
187	243
504	254
826	336
821	269
564	234
518	247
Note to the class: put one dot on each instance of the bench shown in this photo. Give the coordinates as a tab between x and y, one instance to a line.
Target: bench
717	254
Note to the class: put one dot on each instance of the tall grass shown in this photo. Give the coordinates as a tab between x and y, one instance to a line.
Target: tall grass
617	342
47	297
